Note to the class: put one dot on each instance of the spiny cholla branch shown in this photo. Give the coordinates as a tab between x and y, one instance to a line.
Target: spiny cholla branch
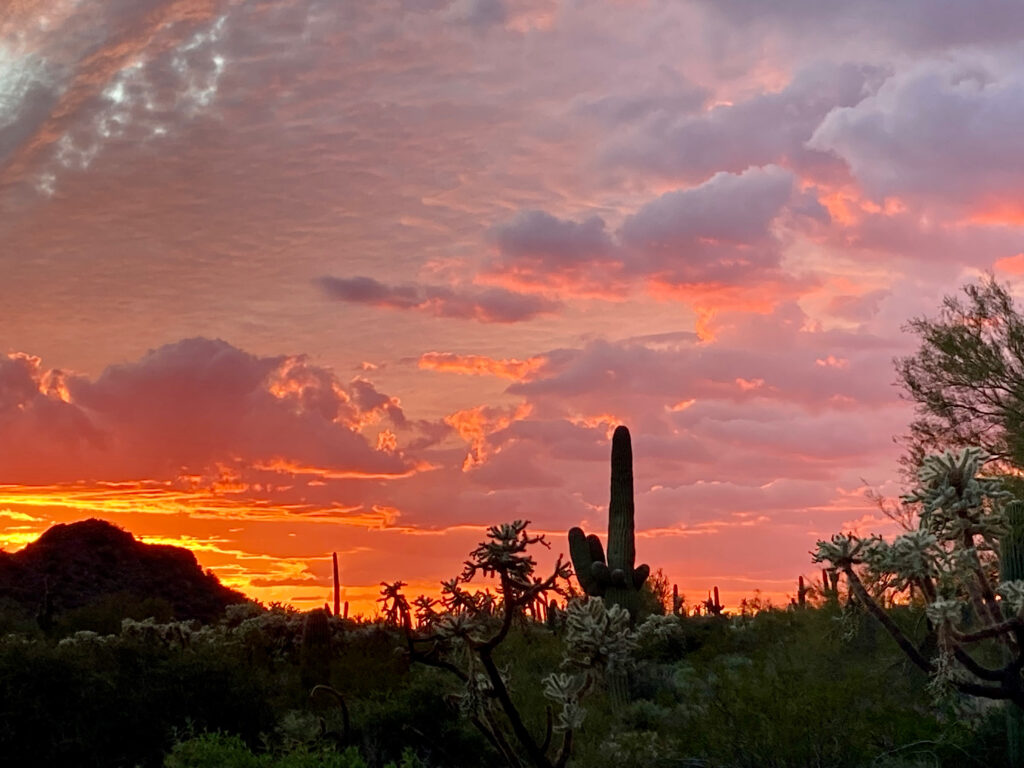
949	557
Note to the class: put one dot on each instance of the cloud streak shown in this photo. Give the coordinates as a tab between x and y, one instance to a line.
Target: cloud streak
486	305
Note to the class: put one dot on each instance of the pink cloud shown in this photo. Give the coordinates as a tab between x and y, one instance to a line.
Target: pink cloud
185	408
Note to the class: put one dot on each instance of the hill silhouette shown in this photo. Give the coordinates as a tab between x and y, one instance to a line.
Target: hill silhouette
84	563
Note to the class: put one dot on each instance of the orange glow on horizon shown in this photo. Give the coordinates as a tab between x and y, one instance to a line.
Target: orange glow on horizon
304	581
149	497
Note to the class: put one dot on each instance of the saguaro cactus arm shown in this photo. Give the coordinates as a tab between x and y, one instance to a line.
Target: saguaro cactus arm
587	560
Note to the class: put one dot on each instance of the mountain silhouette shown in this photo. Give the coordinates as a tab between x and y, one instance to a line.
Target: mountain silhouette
74	565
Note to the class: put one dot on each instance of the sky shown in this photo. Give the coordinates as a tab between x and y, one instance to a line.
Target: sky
281	278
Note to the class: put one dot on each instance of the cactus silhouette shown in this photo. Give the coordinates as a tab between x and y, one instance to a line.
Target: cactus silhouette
713	606
337	586
830	585
615	579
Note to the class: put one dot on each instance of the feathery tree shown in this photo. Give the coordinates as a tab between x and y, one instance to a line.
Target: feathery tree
967	377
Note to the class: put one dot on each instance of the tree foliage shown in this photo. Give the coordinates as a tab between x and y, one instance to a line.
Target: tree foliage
967	377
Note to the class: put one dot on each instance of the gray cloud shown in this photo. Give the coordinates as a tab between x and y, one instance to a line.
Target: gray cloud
487	305
762	129
719	231
915	25
540	238
943	130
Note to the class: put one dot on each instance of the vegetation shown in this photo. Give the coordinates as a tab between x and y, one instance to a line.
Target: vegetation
485	678
967	377
777	687
973	598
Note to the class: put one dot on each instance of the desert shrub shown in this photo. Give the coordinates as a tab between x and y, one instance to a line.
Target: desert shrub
217	750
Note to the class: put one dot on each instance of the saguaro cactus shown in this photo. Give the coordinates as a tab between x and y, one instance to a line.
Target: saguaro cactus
337	586
615	579
713	606
830	584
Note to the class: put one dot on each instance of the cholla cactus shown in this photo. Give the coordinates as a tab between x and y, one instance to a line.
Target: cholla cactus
949	559
426	611
598	637
395	605
955	500
566	690
463	638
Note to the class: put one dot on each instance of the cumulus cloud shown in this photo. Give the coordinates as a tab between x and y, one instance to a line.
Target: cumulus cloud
942	130
717	231
189	408
722	231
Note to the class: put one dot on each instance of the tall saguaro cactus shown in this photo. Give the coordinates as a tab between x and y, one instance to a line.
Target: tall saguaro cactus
615	579
337	586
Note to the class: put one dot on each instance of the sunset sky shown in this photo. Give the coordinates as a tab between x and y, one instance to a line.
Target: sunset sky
286	277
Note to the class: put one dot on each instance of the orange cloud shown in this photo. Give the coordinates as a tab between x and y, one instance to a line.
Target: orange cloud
297	468
831	361
746	385
709	298
1013	265
475	424
1001	213
479	365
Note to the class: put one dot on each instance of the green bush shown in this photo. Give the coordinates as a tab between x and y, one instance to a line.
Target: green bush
215	750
